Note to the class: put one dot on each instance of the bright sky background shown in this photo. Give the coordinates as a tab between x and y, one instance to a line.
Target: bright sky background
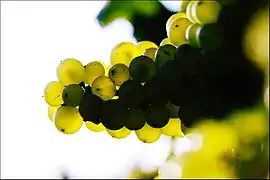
35	37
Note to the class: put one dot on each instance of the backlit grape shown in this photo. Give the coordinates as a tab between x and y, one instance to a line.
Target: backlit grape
119	73
94	127
73	95
104	88
143	45
120	133
92	71
53	93
147	134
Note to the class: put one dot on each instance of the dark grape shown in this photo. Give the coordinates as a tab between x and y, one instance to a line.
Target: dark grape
157	116
73	95
131	93
113	114
211	36
164	53
91	108
88	90
135	118
142	68
173	110
119	73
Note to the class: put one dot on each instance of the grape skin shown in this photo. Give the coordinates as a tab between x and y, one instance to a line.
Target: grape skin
104	88
165	41
51	111
92	71
119	134
53	93
119	73
150	52
73	95
147	134
174	17
94	127
68	120
70	71
143	45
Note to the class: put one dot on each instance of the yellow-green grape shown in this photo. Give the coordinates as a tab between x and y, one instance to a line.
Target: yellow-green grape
189	11
183	5
124	53
104	88
266	97
173	128
148	134
174	17
68	120
53	93
70	71
120	133
177	31
150	52
166	41
192	35
94	127
51	111
143	45
205	12
119	73
92	71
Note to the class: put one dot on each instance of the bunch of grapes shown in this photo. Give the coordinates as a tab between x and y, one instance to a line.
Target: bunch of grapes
148	88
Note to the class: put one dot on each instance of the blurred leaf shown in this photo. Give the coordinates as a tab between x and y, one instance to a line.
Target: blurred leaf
126	9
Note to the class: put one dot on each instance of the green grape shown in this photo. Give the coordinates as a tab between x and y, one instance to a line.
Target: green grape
131	93
51	111
183	5
142	68
90	108
119	73
211	36
173	128
53	93
94	127
104	88
157	116
150	52
68	120
177	30
164	54
120	133
174	17
173	110
135	118
70	71
73	95
205	12
189	11
124	53
147	134
192	35
143	45
165	41
113	114
92	71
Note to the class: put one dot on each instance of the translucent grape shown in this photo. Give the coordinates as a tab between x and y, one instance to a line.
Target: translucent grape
91	108
173	128
150	52
92	71
143	45
174	17
104	88
165	41
131	93
189	11
205	12
70	71
73	95
53	93
142	68
147	134
113	114
192	35
135	118
177	31
68	120
124	53
157	116
119	73
183	5
164	53
94	127
51	111
119	134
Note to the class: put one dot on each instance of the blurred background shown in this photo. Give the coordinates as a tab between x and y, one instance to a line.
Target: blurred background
35	37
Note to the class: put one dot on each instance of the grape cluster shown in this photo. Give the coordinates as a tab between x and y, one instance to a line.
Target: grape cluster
149	88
